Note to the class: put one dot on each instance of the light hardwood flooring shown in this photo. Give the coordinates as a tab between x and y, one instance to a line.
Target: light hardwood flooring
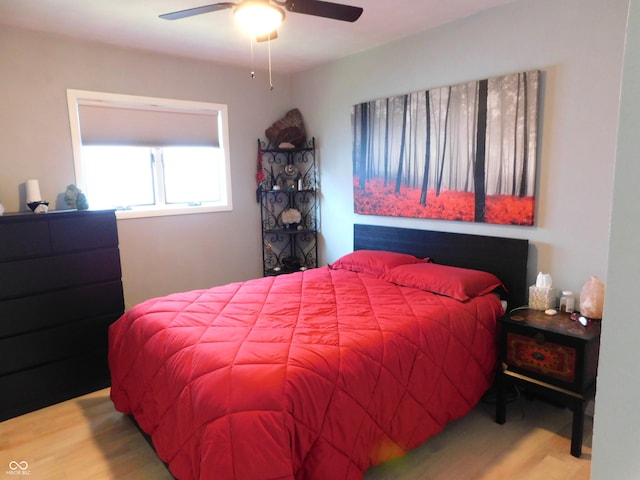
85	438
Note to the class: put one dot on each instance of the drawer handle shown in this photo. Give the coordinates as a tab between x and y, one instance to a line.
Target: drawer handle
539	338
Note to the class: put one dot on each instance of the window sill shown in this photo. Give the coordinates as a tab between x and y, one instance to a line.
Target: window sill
141	212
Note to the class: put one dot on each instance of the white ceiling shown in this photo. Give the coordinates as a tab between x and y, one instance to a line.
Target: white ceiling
304	40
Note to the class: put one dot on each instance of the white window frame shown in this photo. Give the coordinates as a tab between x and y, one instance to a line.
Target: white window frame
79	97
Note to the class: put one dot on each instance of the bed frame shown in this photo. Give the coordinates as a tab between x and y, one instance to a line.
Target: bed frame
504	257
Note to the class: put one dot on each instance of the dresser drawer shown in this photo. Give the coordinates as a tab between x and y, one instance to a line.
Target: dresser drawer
46	346
550	349
54	382
534	354
83	232
39	275
20	239
52	309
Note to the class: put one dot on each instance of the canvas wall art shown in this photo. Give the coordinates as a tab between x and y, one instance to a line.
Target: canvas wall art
464	152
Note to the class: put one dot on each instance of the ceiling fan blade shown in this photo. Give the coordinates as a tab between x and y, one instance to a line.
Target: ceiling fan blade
319	8
190	12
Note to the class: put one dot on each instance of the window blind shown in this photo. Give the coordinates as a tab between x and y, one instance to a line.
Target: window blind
103	123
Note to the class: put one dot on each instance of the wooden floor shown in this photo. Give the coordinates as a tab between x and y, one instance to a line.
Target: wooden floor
86	438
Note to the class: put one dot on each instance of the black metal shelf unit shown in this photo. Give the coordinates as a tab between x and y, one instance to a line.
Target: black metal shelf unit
288	201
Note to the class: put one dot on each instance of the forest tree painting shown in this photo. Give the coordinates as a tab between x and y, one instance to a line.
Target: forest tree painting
464	152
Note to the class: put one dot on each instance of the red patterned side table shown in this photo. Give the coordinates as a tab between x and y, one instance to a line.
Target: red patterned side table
554	356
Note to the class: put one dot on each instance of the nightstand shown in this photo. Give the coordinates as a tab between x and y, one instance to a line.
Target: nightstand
550	355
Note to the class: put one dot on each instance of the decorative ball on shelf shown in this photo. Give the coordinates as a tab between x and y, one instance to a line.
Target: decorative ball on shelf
291	217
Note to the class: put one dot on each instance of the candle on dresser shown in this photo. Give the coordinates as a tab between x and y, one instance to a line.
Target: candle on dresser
33	191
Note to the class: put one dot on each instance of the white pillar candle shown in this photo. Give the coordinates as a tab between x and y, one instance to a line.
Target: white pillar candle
33	191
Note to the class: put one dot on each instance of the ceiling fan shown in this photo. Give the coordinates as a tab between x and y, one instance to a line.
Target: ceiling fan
261	18
316	8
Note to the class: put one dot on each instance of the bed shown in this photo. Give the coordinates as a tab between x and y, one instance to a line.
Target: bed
321	373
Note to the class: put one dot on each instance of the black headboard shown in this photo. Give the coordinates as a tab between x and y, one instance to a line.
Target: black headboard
504	257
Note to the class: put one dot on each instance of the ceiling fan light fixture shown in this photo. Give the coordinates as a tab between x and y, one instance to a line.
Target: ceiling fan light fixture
258	17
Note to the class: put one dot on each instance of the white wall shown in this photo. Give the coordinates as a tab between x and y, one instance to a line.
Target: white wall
616	440
577	44
162	254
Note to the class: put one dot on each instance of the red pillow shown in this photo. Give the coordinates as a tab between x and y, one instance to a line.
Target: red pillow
455	282
374	262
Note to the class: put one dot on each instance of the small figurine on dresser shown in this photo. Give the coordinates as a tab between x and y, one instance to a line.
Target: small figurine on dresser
74	197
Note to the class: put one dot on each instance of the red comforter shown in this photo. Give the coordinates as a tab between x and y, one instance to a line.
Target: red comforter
315	375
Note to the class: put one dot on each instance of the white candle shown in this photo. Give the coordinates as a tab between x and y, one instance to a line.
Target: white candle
33	191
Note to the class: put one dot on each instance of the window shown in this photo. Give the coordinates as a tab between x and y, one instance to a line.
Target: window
148	156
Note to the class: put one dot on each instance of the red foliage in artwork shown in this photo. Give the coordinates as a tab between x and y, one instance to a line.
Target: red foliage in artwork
378	199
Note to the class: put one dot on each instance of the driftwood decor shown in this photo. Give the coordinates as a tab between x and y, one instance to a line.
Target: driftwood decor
465	152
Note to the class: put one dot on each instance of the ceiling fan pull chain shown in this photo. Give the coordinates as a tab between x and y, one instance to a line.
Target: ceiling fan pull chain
269	45
253	70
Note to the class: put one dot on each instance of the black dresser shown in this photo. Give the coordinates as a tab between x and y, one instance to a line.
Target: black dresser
60	289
